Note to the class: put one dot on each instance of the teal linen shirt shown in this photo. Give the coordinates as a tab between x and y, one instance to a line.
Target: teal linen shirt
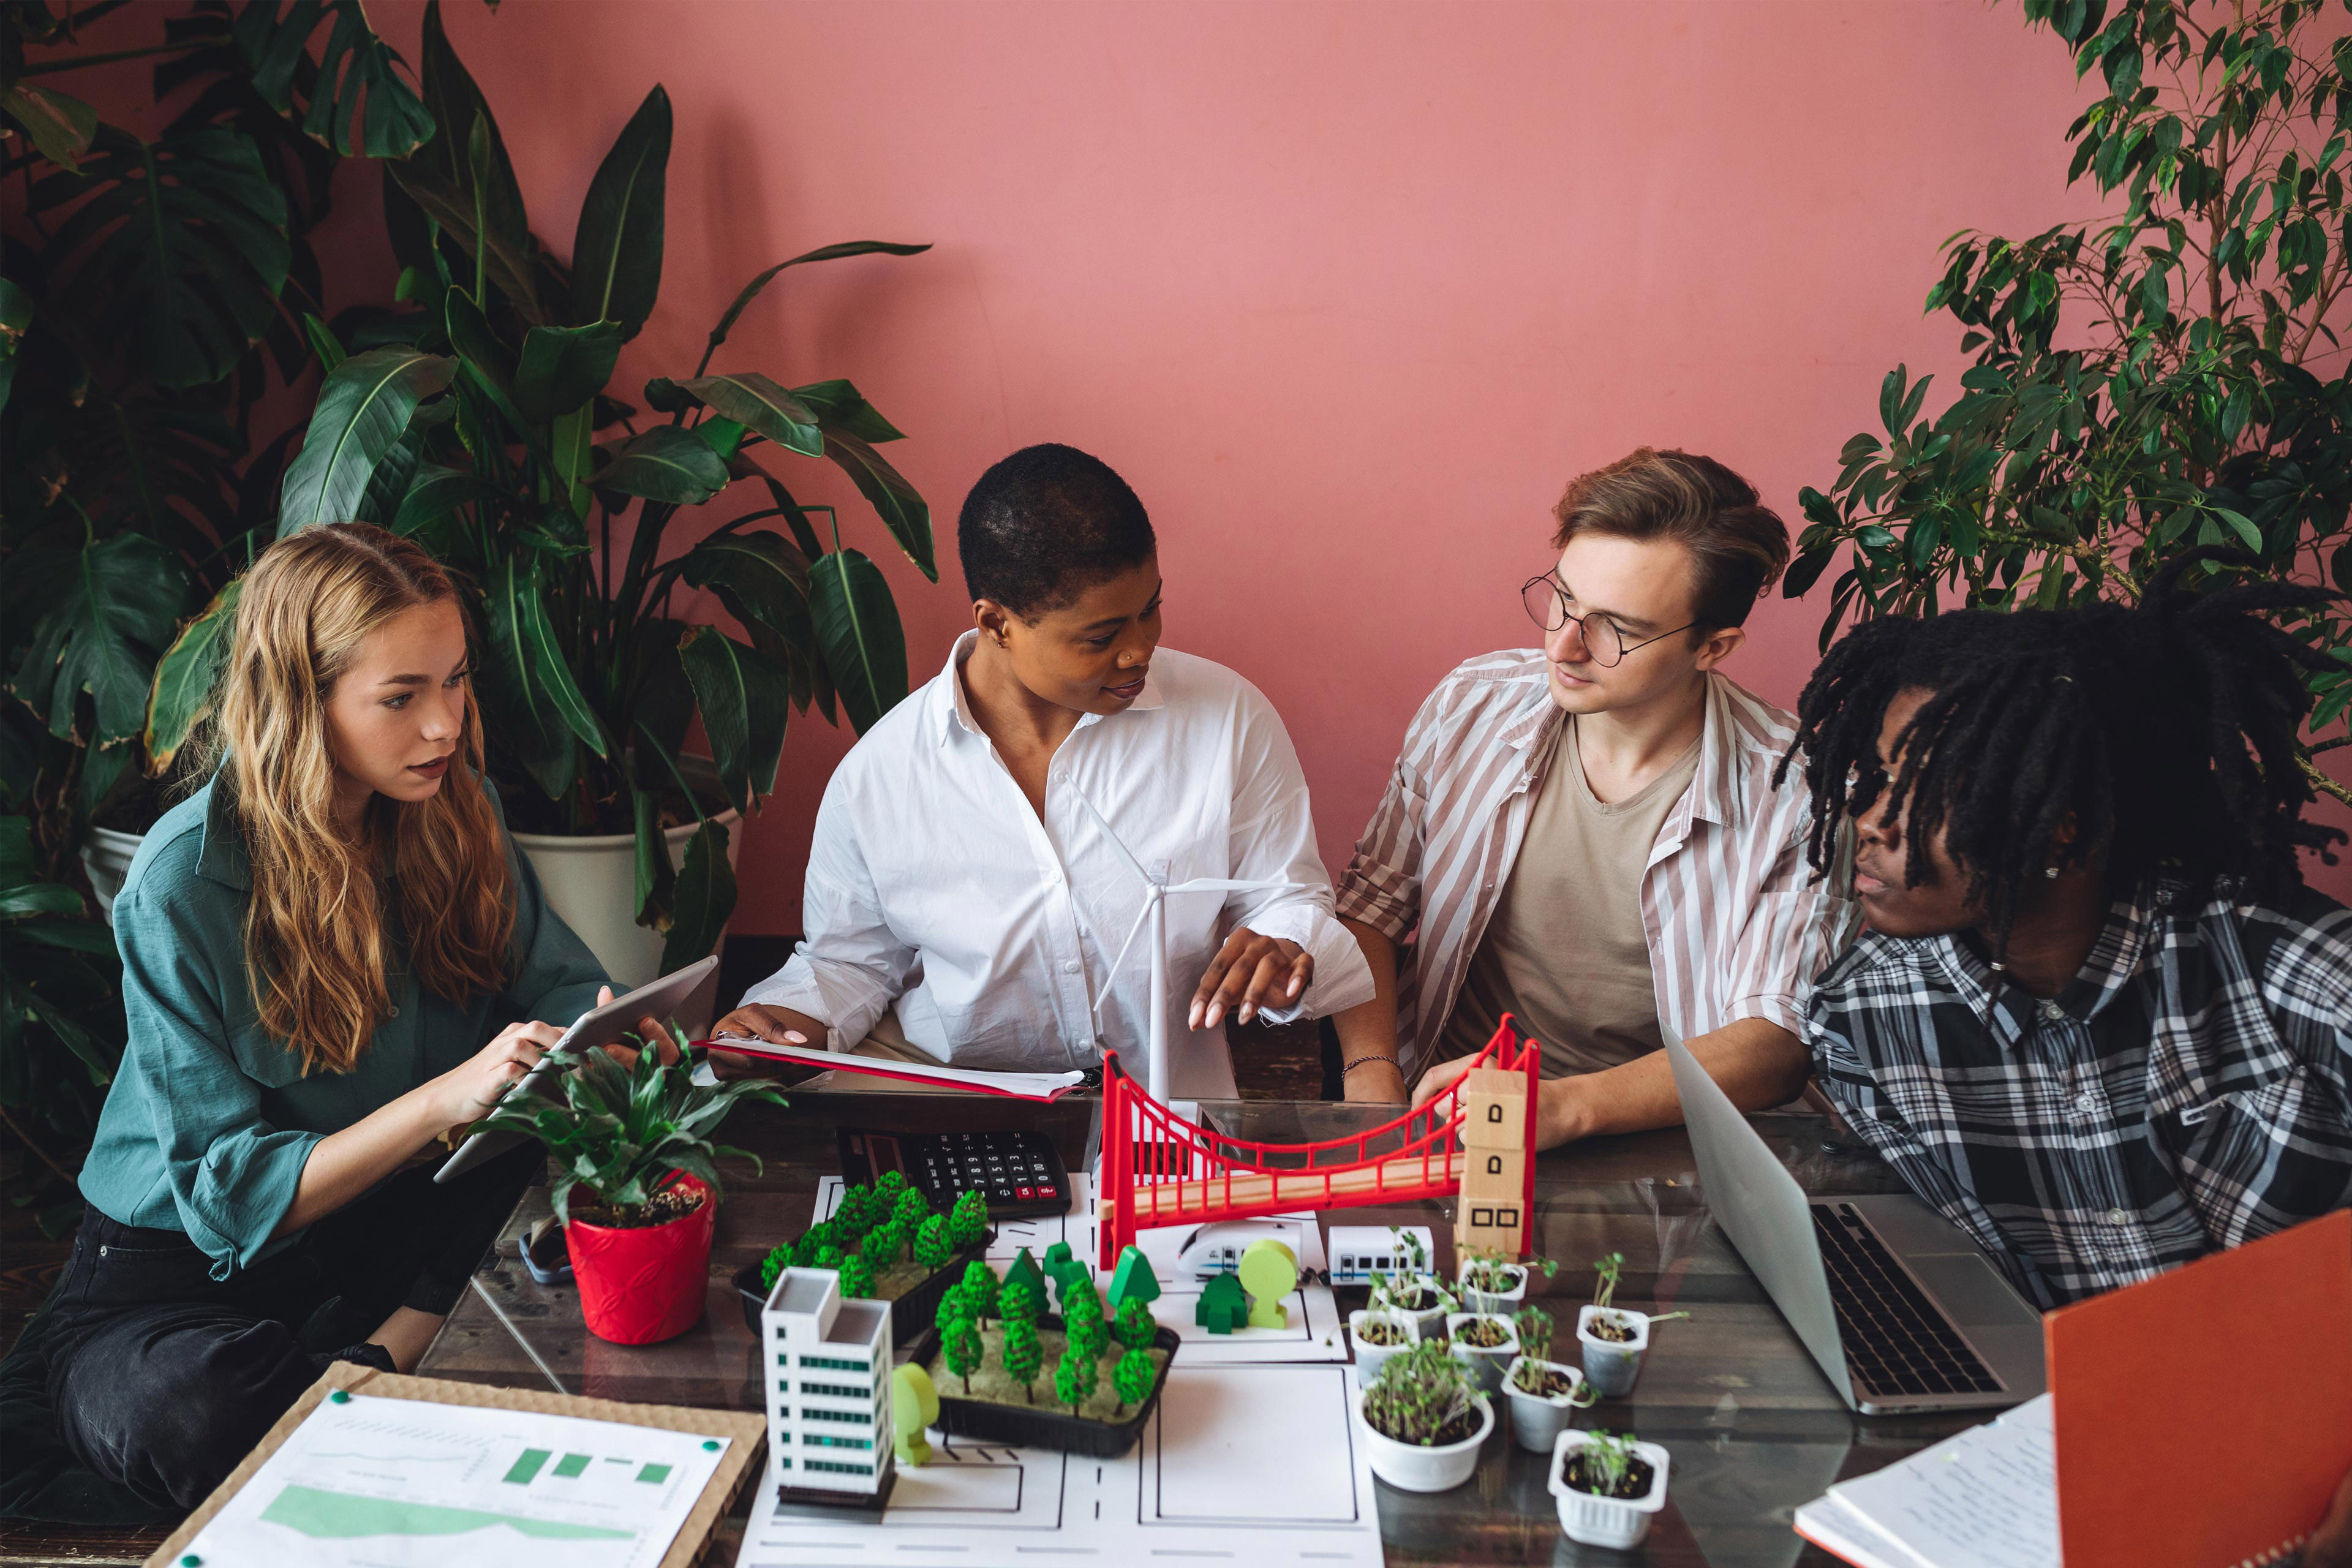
209	1123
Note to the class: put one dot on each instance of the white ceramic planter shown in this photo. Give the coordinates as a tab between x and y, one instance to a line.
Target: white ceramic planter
1429	1323
1409	1467
1503	1303
106	855
1486	1362
1590	1520
1612	1367
1370	1356
591	882
1537	1421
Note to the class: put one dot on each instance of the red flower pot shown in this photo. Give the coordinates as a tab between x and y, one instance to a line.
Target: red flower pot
642	1283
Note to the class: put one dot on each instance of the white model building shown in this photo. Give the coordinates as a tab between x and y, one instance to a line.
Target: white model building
829	1390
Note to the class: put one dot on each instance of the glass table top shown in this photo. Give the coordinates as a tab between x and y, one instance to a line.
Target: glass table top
1753	1427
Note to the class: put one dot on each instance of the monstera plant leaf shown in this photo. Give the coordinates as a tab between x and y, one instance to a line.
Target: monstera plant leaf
363	409
180	246
114	605
358	76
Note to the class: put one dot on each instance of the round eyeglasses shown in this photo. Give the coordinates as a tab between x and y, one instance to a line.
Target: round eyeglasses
1546	605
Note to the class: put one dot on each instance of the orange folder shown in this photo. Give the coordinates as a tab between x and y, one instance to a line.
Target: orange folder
2204	1418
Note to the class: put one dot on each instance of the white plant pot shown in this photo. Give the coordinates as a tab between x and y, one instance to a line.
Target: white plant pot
1610	1366
1429	1323
1410	1466
591	882
1486	1362
106	855
1590	1520
1537	1420
1370	1356
1503	1303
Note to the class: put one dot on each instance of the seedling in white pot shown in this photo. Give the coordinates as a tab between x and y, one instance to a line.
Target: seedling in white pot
1543	1393
1424	1422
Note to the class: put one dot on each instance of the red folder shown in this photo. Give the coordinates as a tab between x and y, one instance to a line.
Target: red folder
2204	1417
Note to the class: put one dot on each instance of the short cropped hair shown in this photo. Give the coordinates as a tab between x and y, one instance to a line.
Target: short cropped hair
1046	524
1737	546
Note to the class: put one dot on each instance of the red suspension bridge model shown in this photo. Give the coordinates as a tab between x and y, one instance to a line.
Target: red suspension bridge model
1476	1138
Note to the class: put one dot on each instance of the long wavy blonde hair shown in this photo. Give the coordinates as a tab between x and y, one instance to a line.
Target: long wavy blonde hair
314	941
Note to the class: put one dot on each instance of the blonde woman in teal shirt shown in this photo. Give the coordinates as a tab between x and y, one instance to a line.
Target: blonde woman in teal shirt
331	954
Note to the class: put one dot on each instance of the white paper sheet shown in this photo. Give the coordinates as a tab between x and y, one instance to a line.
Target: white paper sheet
1315	1332
1258	1467
1039	1086
401	1483
1985	1498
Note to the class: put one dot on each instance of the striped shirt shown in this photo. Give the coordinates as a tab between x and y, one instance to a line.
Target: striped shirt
2189	1089
1737	925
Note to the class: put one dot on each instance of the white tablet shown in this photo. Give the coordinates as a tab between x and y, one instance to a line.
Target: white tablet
605	1026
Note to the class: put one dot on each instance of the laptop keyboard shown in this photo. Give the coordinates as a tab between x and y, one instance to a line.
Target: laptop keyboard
1897	1342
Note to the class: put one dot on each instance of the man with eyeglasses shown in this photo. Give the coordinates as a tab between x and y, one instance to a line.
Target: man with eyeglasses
1588	837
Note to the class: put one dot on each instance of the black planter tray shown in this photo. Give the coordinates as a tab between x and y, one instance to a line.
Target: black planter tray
1042	1425
911	1314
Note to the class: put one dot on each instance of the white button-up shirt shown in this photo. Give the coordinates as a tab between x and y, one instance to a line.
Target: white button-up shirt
931	882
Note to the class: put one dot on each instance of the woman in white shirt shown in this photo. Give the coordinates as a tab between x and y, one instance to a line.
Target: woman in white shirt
964	905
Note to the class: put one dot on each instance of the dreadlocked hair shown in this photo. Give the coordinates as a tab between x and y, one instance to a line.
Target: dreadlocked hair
2165	730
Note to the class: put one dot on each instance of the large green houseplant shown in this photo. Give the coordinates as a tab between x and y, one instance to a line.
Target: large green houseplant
478	419
2168	377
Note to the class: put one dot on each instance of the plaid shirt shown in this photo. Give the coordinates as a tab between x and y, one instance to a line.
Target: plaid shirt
2189	1089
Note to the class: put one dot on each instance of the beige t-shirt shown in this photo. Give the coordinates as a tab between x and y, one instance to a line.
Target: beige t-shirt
1566	951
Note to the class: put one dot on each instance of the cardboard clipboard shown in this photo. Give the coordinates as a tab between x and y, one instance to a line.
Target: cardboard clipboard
746	1453
2245	1356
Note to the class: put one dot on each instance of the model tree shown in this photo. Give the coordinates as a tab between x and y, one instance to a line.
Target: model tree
856	1212
914	1405
827	1257
857	1276
1223	1305
1136	1328
1075	1378
1023	1271
1082	1317
1022	1355
968	1220
890	1184
1060	1266
883	1246
1132	1378
1133	1280
960	1342
1269	1271
933	1246
980	1288
952	1310
909	1208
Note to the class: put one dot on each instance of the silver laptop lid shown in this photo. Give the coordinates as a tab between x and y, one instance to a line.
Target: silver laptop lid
1761	1208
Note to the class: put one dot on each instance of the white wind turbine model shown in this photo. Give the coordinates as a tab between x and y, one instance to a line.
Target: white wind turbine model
1155	916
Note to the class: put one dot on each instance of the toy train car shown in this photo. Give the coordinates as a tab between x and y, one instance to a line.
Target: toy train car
1359	1251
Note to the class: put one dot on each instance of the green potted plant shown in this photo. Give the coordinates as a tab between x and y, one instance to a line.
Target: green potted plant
638	1140
1493	1283
1607	1487
1614	1339
1485	1343
2168	377
479	419
1423	1419
1543	1394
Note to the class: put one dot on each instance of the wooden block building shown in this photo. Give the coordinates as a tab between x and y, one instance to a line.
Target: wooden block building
1493	1213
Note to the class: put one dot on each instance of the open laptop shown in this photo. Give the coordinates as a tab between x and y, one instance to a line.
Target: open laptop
1900	1309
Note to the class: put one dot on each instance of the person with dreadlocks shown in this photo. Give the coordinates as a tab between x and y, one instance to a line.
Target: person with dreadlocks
2096	1019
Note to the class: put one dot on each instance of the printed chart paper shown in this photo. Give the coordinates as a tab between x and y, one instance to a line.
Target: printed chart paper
400	1483
1987	1498
1315	1332
1260	1466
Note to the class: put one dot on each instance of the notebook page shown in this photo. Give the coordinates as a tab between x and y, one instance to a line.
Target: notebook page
1985	1498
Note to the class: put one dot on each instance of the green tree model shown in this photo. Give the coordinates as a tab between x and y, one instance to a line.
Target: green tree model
1016	1302
952	1310
1024	1271
883	1246
1223	1305
857	1276
968	1220
1133	1280
961	1346
1082	1317
980	1288
890	1184
933	1246
1022	1355
1137	1327
827	1257
1075	1378
910	1208
1132	1378
856	1213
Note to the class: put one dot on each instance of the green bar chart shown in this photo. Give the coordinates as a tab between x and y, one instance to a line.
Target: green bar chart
570	1465
526	1466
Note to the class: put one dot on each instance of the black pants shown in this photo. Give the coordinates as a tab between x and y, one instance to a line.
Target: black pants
163	1377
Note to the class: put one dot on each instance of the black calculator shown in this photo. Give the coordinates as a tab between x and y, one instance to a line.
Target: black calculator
1018	1173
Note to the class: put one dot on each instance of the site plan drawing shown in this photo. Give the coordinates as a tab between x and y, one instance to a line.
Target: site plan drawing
386	1483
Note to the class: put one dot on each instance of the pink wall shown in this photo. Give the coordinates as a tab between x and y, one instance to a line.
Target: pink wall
1348	290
